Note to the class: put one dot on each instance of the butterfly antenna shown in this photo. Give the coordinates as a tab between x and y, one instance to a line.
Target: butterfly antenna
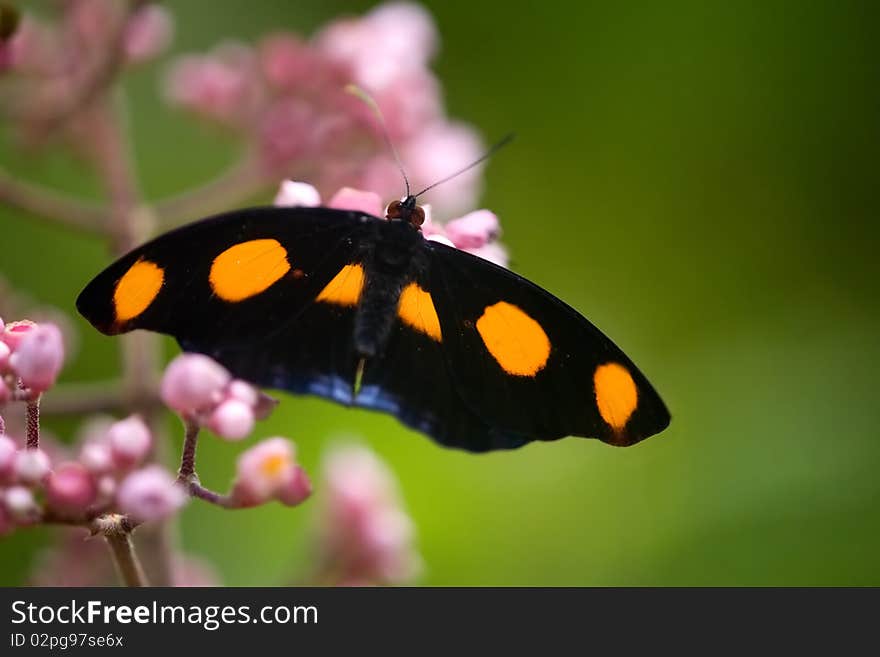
355	90
485	156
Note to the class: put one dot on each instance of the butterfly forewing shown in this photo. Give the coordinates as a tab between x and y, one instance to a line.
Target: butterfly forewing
229	278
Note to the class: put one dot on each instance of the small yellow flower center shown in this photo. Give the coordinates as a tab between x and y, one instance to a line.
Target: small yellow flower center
274	465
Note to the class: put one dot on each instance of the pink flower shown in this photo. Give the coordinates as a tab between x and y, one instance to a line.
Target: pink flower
358	200
130	441
393	38
221	86
15	332
287	133
193	383
38	357
297	490
294	194
8	449
148	32
233	419
264	471
4	354
367	536
473	230
150	493
292	65
70	489
438	151
20	504
493	252
31	466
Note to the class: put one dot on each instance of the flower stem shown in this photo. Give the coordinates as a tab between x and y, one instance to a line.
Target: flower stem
33	423
188	457
197	490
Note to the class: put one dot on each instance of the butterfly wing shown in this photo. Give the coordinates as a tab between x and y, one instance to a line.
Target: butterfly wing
531	366
224	279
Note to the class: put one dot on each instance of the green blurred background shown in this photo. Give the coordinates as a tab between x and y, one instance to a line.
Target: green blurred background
700	180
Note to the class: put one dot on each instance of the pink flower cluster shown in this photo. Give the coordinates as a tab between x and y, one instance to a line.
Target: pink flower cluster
287	96
476	232
106	474
40	50
203	391
366	536
31	356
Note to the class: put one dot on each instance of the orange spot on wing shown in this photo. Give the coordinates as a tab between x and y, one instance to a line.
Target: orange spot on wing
345	288
515	340
247	269
137	289
416	308
616	394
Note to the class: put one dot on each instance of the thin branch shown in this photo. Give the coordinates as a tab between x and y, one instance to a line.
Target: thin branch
195	489
51	205
98	397
230	189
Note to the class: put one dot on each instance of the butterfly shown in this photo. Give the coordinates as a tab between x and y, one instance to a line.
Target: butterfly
367	312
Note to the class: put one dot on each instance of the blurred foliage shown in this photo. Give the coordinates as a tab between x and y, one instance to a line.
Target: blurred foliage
700	180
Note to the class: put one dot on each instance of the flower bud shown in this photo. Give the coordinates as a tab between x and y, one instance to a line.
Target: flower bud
348	198
264	471
473	230
129	441
150	494
31	466
96	457
14	332
5	351
243	391
21	504
38	357
70	489
193	383
297	194
232	419
297	490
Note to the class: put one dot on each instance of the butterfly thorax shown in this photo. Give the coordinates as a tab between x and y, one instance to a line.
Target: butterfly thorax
392	260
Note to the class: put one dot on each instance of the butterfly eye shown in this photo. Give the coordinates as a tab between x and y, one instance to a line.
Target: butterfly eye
417	216
394	210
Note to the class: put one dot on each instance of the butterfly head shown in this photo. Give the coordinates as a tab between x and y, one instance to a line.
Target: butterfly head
406	210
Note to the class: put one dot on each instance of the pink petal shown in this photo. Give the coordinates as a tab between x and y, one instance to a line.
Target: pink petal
38	357
348	198
294	194
473	230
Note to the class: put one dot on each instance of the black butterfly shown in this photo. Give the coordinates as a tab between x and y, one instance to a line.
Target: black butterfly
367	312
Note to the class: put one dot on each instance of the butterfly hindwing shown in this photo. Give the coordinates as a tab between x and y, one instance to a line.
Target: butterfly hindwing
529	364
